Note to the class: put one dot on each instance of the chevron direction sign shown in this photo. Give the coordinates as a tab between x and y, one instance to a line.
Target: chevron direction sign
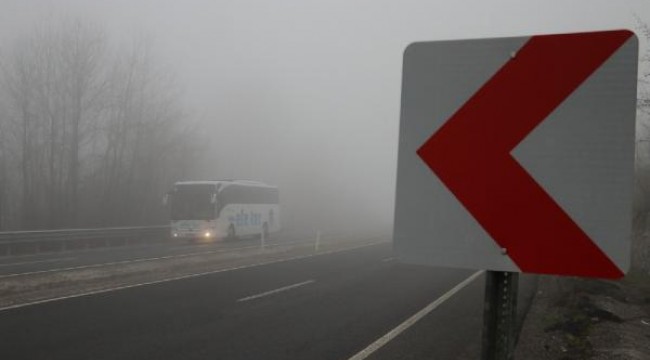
517	154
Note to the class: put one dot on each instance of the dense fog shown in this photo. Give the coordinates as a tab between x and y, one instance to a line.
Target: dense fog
106	104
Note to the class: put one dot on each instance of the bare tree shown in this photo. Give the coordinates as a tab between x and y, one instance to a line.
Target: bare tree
19	75
54	77
98	131
3	168
82	56
142	131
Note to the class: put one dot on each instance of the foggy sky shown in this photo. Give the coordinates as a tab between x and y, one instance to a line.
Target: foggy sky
306	94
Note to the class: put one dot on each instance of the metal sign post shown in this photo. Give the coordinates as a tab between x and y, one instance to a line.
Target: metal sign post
499	316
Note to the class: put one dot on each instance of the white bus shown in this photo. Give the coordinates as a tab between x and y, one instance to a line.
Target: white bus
223	209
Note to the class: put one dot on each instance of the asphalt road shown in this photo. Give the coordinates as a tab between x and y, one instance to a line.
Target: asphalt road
323	307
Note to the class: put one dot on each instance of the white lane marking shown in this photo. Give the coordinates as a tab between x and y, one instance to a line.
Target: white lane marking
275	291
10	307
91	266
388	259
37	261
413	319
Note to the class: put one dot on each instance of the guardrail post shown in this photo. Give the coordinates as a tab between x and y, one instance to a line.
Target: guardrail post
263	240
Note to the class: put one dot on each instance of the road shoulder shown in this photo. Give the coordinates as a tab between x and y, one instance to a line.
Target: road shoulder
574	318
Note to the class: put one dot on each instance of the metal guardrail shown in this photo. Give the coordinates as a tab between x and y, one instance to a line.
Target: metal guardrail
24	242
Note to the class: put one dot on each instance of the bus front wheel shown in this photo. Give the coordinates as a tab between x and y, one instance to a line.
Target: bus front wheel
231	233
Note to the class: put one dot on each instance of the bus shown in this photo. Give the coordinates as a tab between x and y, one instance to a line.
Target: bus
223	209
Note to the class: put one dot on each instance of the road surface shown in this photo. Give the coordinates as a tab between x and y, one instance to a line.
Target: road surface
330	306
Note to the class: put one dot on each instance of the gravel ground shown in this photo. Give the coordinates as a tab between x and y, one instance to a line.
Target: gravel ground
573	318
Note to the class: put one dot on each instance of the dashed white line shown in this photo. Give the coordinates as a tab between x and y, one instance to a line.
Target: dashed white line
37	261
388	259
413	319
275	291
10	307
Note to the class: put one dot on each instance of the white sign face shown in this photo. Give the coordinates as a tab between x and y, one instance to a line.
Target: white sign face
517	154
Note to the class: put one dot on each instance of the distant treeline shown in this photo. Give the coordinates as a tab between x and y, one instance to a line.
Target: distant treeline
91	134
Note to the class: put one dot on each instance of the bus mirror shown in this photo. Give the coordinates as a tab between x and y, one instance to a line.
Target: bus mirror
165	199
213	199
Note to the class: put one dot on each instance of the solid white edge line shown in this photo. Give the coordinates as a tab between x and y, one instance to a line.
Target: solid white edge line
37	261
188	276
275	291
413	319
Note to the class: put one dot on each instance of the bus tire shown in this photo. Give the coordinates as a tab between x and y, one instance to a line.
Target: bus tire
231	232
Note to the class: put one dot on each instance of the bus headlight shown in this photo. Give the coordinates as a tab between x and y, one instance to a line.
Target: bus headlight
207	234
175	235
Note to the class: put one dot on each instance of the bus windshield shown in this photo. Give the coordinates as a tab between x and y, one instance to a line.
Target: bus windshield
192	202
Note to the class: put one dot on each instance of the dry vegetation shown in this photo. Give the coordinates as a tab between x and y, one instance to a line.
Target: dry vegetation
91	134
